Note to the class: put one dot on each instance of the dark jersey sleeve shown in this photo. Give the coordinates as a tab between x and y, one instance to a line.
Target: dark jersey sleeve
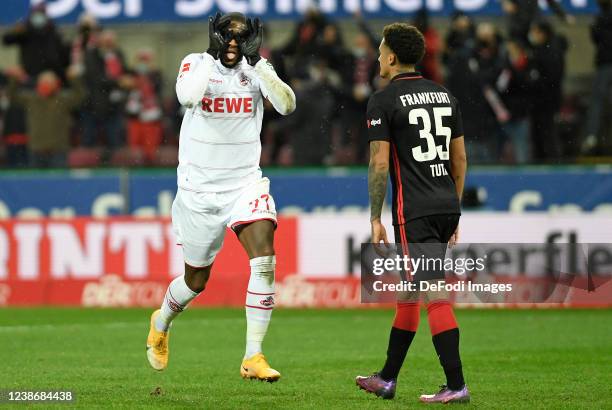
457	130
377	120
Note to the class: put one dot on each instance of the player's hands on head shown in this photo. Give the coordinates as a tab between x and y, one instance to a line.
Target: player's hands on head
249	47
215	37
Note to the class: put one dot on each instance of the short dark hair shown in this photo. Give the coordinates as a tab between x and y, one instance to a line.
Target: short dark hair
405	41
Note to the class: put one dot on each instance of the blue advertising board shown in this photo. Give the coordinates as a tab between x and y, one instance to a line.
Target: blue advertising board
138	11
150	192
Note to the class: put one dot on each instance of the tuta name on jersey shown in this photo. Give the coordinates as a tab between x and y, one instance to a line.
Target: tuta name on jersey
438	170
424	98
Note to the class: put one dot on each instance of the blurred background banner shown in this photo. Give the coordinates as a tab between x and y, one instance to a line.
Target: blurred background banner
149	193
126	11
90	128
123	261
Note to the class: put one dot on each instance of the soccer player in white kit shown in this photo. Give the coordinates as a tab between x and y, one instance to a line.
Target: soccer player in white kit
219	180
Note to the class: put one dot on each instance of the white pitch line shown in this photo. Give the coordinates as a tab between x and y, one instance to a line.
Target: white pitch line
104	325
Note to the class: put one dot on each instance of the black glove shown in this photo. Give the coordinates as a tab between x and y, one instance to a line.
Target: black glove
216	41
250	46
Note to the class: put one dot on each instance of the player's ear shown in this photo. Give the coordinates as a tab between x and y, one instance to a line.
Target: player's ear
392	59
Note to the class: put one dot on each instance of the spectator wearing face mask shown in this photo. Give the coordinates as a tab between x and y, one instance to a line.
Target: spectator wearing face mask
49	114
521	14
86	39
308	129
546	77
41	47
143	106
359	85
458	50
103	108
513	85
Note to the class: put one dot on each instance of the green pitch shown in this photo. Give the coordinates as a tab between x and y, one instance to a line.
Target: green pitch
512	359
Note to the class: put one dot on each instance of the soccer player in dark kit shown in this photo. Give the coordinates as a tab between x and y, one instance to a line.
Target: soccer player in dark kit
415	130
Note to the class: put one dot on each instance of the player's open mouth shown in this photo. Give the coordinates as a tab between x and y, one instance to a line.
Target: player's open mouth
231	54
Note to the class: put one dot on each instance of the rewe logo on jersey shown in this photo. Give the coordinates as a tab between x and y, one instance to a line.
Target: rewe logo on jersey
374	123
228	104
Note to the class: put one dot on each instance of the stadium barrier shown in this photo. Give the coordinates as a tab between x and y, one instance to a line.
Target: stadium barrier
149	193
126	261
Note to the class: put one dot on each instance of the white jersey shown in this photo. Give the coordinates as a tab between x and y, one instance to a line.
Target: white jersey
220	147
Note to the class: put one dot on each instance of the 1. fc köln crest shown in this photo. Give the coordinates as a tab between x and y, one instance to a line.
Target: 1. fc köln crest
244	80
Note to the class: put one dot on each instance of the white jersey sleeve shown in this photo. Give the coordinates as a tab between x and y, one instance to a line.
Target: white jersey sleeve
192	79
274	89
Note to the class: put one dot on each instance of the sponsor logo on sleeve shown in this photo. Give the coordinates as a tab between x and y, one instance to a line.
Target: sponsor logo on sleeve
185	68
374	123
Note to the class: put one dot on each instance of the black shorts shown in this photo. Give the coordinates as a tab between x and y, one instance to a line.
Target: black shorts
427	238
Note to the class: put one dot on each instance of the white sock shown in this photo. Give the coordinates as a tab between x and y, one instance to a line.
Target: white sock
259	302
176	300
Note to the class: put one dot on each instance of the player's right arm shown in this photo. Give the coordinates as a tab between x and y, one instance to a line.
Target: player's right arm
195	69
193	76
457	155
378	173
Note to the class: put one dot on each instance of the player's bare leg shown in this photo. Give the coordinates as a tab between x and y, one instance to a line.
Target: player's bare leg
257	238
181	291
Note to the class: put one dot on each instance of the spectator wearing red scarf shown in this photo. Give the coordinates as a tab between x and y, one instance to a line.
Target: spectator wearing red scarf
144	109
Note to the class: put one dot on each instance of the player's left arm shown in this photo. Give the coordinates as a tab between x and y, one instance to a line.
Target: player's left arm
272	87
458	163
458	169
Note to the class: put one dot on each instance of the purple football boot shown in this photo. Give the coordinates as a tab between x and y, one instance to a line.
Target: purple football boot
446	395
375	384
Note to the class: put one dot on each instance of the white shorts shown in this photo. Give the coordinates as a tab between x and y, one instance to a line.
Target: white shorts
199	219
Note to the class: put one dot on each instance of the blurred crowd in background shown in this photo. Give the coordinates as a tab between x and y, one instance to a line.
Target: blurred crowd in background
77	102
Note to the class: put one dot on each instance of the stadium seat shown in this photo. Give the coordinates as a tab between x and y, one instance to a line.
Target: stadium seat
84	157
127	157
166	156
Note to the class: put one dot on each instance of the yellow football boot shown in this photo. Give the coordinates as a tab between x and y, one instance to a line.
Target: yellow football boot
157	345
256	367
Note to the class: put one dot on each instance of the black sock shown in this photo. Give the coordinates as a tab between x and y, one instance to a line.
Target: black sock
447	347
399	342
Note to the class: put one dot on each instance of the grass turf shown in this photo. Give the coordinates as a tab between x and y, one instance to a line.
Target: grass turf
512	358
